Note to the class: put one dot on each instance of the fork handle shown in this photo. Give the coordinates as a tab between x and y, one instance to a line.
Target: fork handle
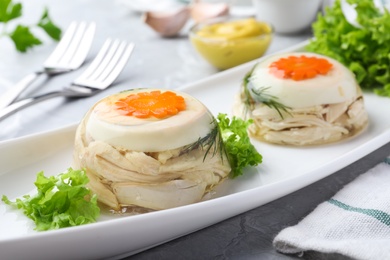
13	108
10	95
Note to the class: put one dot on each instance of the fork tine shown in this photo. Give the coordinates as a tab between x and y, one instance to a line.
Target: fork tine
80	45
107	65
106	60
95	63
73	48
106	70
118	66
67	53
85	44
63	44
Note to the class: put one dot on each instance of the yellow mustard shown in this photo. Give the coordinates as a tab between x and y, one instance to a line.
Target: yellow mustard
228	44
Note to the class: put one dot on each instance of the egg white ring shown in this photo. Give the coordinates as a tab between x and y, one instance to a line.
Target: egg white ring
338	85
107	124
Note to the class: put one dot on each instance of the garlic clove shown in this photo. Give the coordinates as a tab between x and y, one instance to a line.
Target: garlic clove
167	24
204	11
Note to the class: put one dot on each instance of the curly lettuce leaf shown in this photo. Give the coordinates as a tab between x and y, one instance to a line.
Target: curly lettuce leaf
240	151
363	50
61	201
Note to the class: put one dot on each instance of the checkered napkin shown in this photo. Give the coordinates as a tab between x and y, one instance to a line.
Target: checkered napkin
355	223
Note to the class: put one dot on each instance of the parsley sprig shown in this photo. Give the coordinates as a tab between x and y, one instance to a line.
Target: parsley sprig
22	35
239	149
230	136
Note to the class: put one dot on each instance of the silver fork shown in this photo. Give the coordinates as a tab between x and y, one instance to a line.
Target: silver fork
69	54
103	70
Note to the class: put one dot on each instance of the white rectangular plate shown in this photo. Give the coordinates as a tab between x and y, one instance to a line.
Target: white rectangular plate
284	170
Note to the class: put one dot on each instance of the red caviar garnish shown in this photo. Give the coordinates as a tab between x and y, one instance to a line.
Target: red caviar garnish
300	67
154	103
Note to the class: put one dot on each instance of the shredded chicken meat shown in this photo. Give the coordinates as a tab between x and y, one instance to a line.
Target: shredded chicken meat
303	126
122	178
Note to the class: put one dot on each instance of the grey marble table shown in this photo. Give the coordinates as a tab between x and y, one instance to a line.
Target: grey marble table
159	63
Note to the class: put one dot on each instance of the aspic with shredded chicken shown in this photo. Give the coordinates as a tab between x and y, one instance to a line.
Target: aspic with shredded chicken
301	99
165	156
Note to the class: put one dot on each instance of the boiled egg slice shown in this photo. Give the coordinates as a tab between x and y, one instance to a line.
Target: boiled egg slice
335	86
109	123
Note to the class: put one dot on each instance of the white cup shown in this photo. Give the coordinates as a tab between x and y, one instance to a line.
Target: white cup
287	16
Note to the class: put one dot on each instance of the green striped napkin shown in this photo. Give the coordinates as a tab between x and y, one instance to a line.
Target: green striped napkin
355	223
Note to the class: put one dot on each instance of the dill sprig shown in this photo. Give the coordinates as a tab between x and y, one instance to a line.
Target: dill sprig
245	82
211	142
261	96
230	138
270	101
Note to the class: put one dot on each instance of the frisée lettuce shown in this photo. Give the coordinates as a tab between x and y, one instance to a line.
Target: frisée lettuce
61	201
365	51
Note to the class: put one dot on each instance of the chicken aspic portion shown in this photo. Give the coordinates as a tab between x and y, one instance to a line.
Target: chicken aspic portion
301	99
153	157
309	126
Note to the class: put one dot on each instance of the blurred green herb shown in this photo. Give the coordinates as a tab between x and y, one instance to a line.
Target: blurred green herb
22	35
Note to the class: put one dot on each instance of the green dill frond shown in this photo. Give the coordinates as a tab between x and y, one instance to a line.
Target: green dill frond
211	142
248	100
261	96
215	143
247	76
